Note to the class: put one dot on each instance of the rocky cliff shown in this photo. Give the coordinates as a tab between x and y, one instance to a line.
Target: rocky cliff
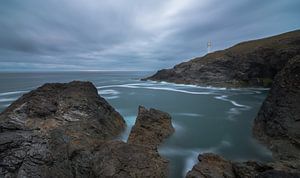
278	121
277	125
252	63
68	130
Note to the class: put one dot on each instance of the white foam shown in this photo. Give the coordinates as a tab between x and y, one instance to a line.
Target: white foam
190	162
225	98
7	99
130	121
108	92
180	91
12	93
155	88
177	127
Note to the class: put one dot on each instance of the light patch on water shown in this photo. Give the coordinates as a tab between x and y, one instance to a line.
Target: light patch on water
177	127
108	92
12	93
189	114
7	99
190	162
130	121
111	97
139	86
225	98
225	143
233	112
190	155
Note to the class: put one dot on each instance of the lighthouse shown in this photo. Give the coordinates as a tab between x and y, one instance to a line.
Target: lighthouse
209	46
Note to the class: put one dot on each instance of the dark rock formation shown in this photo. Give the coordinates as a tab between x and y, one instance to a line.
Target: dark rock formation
66	130
119	159
44	132
151	127
253	63
211	165
278	121
214	166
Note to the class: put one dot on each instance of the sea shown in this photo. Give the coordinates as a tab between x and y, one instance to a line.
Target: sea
206	119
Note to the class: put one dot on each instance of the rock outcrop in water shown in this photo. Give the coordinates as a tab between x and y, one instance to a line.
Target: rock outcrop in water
277	125
253	63
67	130
151	127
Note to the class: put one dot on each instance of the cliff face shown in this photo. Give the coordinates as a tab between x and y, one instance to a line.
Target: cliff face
278	121
253	63
277	125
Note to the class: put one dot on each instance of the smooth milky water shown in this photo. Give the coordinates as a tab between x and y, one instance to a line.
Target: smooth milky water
206	119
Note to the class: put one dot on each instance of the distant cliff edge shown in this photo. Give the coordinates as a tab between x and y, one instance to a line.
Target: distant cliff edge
248	64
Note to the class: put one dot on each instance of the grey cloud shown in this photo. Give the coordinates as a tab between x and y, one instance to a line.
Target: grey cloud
132	34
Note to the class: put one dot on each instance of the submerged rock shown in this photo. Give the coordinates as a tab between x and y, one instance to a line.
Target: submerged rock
248	64
278	121
151	127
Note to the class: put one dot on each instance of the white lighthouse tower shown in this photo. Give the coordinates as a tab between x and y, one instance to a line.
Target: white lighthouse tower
209	47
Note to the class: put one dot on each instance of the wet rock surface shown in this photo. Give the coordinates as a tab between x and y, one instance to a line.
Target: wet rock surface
151	127
248	64
68	130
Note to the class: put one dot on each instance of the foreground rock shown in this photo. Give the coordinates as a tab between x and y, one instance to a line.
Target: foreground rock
67	130
119	159
277	125
44	131
278	121
253	63
151	127
214	166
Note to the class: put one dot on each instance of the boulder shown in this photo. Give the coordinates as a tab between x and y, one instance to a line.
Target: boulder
42	131
151	127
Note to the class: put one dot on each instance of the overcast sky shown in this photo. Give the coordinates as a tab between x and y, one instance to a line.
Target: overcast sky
131	34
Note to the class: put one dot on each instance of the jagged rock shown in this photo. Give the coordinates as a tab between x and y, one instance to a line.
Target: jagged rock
214	166
119	159
253	63
278	121
151	127
67	130
211	166
42	131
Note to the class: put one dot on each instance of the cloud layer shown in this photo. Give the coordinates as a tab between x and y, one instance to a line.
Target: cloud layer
131	34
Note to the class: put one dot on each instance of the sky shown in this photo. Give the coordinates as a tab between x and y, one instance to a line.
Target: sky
73	35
